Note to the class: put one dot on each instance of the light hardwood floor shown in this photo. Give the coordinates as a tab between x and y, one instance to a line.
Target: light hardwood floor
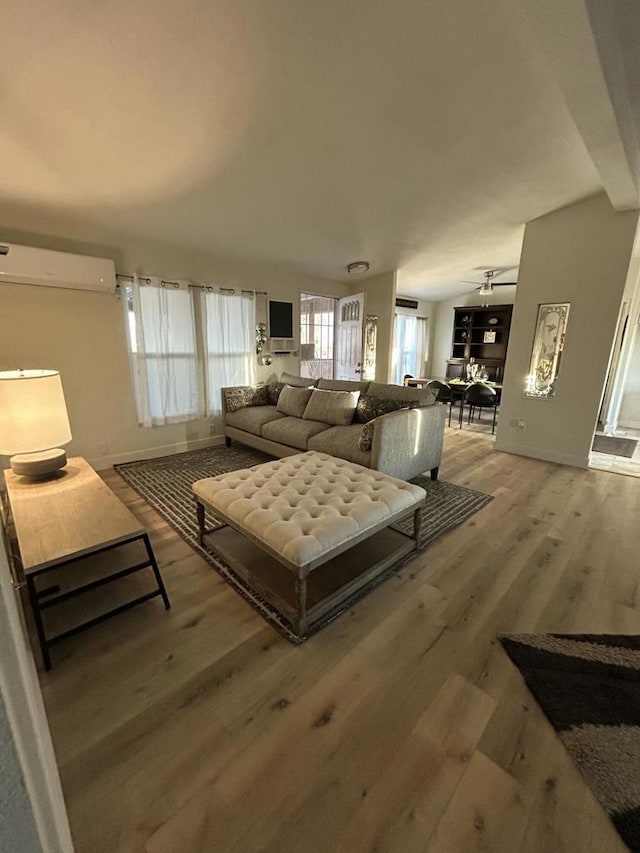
400	727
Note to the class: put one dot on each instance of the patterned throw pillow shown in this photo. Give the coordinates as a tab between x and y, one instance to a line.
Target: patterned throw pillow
273	393
370	407
366	436
239	398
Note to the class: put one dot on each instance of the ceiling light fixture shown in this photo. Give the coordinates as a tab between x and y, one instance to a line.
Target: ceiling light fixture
358	267
486	289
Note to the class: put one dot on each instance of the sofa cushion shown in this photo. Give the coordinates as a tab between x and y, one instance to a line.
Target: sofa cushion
369	407
294	432
342	441
273	392
252	418
298	381
293	401
399	392
342	385
245	395
331	407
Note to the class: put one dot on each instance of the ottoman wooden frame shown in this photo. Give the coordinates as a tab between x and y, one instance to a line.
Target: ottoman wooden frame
311	593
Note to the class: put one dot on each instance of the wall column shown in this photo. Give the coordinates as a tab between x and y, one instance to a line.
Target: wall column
579	254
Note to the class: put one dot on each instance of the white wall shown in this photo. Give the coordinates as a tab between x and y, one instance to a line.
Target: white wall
380	298
443	323
630	408
82	335
18	832
32	810
581	255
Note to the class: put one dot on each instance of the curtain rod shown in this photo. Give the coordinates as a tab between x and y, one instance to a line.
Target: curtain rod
207	287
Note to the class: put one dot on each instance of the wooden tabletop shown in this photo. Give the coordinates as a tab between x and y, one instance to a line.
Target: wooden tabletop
74	514
464	383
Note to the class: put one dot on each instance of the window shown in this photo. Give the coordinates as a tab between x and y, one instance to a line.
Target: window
317	320
162	349
168	355
229	323
410	343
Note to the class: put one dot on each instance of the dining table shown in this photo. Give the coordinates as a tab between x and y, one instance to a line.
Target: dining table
458	387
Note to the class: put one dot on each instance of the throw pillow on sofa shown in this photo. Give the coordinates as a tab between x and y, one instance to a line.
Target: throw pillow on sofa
365	439
273	392
293	401
298	381
370	407
331	407
375	407
238	398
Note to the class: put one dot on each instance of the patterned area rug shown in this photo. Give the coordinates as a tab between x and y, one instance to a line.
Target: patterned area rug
165	484
588	685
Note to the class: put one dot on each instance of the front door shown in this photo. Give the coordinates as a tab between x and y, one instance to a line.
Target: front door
349	321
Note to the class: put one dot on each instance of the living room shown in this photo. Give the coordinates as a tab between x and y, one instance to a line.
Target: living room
231	157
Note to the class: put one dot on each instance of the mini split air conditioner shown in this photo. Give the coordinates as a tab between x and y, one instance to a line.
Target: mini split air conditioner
24	265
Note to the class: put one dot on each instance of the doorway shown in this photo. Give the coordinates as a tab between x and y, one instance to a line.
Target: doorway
616	443
317	324
350	319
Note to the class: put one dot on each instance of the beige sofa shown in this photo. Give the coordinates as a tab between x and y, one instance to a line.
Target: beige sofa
403	444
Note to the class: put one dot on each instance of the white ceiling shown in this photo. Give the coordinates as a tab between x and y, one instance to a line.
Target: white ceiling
416	134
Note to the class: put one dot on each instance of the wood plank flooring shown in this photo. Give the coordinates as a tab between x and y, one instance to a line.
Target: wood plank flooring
401	727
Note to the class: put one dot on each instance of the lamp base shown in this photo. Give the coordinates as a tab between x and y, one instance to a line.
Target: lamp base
39	466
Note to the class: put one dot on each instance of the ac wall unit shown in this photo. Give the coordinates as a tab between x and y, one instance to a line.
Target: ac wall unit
282	346
43	267
402	302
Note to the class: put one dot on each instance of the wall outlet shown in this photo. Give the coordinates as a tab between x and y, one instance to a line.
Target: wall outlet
102	448
518	423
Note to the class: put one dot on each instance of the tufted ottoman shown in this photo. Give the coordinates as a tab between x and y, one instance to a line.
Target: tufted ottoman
308	532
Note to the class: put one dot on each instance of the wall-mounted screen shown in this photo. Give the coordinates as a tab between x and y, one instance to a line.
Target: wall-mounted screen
280	319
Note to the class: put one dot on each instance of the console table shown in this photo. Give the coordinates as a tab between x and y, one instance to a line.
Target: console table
62	520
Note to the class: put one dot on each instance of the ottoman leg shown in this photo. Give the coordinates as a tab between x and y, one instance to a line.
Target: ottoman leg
200	517
301	599
417	527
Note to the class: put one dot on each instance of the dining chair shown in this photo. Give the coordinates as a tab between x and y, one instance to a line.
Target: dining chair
443	392
479	396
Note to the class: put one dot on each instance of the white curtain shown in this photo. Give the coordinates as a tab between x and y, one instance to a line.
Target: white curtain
422	343
229	321
162	346
410	342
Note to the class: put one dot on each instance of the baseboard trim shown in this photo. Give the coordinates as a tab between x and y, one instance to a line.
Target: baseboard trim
545	455
100	463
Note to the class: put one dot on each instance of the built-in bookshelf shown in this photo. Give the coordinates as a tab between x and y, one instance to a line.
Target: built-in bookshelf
481	335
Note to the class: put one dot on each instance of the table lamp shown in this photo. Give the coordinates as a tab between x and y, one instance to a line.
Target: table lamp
33	421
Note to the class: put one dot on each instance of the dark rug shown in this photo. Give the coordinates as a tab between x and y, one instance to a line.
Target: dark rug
165	483
613	446
588	685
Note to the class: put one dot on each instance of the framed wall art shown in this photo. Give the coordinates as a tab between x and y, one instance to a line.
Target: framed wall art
548	346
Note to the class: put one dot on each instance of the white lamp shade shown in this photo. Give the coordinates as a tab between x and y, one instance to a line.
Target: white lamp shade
33	414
